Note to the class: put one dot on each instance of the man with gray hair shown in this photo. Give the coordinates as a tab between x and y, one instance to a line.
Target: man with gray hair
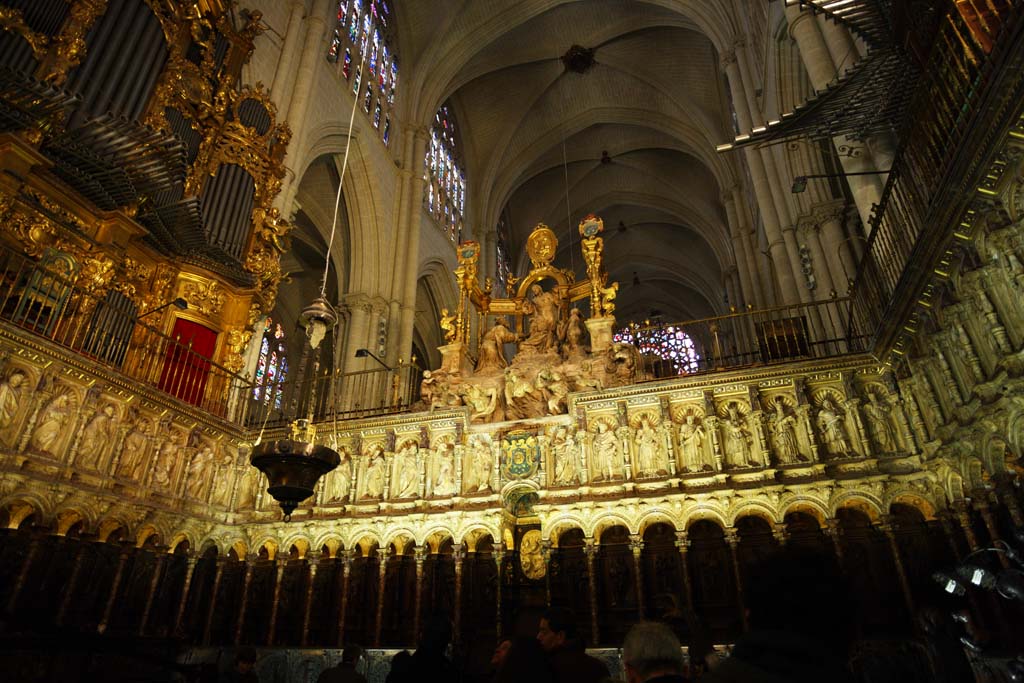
652	654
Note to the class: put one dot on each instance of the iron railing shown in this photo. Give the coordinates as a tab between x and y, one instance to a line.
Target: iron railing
968	94
818	329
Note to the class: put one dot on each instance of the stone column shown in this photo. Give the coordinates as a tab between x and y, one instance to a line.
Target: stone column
781	533
122	559
280	90
813	50
26	564
591	551
382	574
190	571
683	545
458	555
733	540
346	571
498	554
838	255
834	530
358	332
420	556
313	561
208	622
758	297
409	167
249	568
276	600
636	545
162	558
964	517
412	247
890	533
312	53
69	589
739	249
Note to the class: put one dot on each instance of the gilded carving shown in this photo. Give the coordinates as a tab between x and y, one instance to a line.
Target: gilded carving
68	48
205	296
13	21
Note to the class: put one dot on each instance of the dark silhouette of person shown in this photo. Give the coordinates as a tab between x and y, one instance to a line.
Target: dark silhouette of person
244	669
801	623
345	670
429	664
401	668
565	650
525	660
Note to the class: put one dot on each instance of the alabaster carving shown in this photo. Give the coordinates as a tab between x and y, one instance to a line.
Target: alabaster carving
832	427
53	421
96	437
783	424
531	557
737	438
340	480
492	352
605	452
12	397
542	310
695	453
169	454
564	457
405	475
135	450
883	435
372	481
648	448
199	471
441	468
477	464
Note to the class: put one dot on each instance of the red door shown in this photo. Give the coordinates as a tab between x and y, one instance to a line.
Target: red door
187	369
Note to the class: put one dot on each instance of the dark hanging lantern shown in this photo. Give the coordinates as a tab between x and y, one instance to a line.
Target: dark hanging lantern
294	465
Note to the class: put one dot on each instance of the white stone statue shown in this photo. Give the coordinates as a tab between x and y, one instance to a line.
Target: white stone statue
693	452
168	454
783	427
881	429
444	477
373	478
492	344
832	425
563	456
247	490
95	437
554	390
573	334
476	467
222	483
737	439
341	480
542	309
648	449
199	471
607	453
405	481
52	423
135	449
12	390
483	401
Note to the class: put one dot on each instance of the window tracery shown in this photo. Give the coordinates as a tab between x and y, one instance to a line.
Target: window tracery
272	365
364	28
446	182
670	343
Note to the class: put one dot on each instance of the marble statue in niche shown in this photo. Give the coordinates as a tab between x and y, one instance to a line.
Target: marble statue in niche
563	456
880	427
492	353
135	449
376	472
737	438
52	423
169	453
476	467
96	436
222	482
647	441
783	427
199	472
12	391
441	476
832	425
694	454
247	490
606	452
340	480
405	479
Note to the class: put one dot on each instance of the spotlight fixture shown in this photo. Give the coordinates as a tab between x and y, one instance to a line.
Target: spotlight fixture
363	353
178	303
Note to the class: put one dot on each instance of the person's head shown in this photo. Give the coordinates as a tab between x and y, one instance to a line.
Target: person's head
351	654
650	650
524	661
500	650
245	659
557	626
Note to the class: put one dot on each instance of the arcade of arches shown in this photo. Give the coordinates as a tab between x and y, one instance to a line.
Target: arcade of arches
799	377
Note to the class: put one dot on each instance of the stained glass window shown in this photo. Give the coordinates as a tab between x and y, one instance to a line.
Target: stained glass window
362	42
446	193
272	365
668	342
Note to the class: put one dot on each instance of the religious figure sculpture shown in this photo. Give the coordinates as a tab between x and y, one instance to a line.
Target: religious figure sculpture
881	428
737	439
199	473
373	484
133	453
96	435
52	422
443	484
482	401
692	449
447	323
553	390
169	453
522	399
563	455
406	478
247	490
648	453
784	434
607	453
492	354
11	390
542	308
572	335
833	429
341	480
222	484
476	468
